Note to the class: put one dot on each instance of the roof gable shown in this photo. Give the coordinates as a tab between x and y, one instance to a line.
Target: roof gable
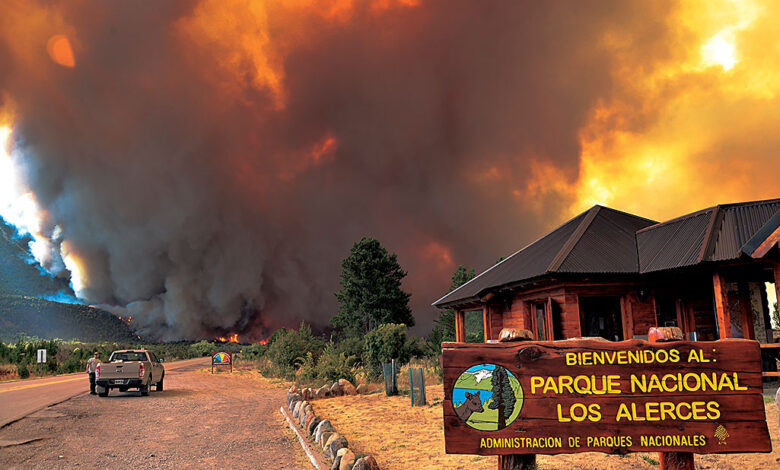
580	245
717	233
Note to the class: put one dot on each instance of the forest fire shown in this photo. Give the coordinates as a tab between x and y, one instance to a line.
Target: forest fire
607	104
233	338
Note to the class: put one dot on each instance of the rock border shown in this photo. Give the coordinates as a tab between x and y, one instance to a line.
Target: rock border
335	446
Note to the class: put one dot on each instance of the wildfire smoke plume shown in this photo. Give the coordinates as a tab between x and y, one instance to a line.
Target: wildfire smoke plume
205	165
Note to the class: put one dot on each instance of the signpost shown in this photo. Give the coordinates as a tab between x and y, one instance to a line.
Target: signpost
613	397
417	386
222	359
41	356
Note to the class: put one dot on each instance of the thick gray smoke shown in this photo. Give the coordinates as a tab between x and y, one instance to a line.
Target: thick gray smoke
207	198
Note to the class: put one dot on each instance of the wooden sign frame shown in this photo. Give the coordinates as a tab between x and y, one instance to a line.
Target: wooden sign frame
214	356
611	397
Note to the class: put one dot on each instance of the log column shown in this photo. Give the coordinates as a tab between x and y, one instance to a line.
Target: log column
486	324
516	461
721	305
671	460
746	311
460	326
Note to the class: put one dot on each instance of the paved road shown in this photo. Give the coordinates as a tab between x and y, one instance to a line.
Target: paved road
201	420
23	397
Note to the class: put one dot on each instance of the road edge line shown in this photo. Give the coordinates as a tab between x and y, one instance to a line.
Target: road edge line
43	408
304	445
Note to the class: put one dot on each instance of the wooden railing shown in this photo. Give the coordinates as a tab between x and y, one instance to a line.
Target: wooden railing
775	347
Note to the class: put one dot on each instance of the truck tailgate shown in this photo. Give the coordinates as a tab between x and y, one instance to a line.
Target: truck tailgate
119	370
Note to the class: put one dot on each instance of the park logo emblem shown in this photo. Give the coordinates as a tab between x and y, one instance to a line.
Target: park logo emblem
721	434
487	397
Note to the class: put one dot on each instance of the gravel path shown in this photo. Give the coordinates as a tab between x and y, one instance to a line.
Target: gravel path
198	421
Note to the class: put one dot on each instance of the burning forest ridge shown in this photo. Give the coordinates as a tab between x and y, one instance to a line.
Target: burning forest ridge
204	165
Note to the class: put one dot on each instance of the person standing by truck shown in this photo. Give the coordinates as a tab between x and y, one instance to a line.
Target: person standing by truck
91	365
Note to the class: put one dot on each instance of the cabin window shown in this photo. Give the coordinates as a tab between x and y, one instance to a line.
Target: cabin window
601	316
666	312
475	329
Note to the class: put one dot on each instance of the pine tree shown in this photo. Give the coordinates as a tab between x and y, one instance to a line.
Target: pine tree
371	291
503	396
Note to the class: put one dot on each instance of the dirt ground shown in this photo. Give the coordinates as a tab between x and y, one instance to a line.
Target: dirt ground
402	437
198	421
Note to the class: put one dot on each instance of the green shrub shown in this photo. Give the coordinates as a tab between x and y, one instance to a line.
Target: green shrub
386	342
354	347
307	372
254	352
203	348
290	348
334	365
22	371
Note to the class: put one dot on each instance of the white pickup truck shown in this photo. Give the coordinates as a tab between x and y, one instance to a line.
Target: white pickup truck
130	368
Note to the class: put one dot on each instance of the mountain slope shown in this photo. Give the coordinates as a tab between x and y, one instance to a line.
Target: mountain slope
25	312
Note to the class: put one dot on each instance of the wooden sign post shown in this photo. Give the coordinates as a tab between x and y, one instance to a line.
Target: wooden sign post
598	396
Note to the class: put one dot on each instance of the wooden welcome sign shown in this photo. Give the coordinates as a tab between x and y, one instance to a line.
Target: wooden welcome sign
614	397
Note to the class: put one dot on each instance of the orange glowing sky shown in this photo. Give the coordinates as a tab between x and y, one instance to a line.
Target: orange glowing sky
711	106
455	132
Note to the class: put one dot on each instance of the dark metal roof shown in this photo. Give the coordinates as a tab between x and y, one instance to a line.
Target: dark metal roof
762	234
607	246
740	223
603	240
600	240
672	244
714	234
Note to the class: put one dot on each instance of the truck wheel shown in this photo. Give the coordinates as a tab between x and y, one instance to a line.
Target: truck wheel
102	391
144	389
160	384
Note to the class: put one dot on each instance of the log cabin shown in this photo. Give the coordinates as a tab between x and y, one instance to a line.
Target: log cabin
607	273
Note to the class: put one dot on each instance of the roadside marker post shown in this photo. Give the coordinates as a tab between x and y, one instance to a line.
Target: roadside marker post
417	380
671	460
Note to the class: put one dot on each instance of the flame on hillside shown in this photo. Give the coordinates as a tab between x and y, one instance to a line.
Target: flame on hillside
232	338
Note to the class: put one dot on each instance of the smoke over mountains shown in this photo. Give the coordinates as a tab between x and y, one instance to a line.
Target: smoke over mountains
207	164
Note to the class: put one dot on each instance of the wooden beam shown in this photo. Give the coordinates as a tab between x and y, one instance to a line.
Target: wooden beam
486	322
460	326
671	460
517	462
746	312
626	315
548	319
771	241
721	305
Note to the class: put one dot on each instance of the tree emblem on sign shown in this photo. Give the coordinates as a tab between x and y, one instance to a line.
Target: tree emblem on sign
487	397
503	396
721	434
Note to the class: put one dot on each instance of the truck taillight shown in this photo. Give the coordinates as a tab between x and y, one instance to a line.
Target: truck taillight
97	371
141	371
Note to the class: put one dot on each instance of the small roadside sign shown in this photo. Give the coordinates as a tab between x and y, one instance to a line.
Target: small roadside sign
41	356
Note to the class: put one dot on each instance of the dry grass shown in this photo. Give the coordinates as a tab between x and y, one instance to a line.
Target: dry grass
8	372
402	437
